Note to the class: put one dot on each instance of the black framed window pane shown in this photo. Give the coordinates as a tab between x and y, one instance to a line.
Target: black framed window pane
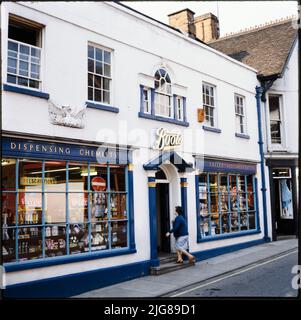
55	240
78	238
119	234
8	245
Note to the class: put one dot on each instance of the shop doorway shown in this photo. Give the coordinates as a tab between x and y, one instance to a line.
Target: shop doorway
283	202
163	215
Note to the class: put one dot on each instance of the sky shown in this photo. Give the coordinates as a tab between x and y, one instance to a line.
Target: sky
233	15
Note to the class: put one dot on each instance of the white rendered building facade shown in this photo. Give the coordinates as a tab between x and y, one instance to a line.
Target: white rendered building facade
103	135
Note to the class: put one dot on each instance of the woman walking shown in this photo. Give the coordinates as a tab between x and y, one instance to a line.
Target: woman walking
180	232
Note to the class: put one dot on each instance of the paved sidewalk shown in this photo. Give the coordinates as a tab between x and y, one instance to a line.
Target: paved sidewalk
155	286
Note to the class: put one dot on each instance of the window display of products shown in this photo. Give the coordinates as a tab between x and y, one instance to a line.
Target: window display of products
226	203
60	211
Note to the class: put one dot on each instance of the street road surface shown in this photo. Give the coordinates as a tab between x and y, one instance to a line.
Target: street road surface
271	278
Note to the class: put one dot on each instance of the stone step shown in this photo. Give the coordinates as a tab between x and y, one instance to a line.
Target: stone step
169	267
168	259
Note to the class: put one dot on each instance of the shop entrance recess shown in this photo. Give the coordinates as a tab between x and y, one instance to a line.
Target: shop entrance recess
163	212
284	211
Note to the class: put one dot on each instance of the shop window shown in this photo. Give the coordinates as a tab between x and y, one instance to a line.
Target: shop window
226	204
62	208
209	104
99	74
275	119
239	102
163	95
24	52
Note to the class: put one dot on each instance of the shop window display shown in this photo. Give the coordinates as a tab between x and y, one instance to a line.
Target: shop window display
226	203
58	208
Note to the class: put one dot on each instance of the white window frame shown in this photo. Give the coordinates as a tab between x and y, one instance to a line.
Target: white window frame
213	106
41	28
147	107
102	76
161	94
180	108
241	115
282	145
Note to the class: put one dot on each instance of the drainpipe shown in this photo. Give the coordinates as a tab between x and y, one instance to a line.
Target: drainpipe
259	91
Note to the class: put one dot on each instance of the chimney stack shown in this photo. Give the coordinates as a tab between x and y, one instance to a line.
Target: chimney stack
183	20
204	27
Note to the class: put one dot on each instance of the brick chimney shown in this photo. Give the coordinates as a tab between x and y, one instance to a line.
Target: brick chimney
207	27
204	27
183	20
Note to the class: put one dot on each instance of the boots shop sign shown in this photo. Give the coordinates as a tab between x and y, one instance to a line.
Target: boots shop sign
167	139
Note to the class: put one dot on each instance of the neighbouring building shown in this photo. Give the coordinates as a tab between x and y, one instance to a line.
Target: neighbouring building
272	49
107	129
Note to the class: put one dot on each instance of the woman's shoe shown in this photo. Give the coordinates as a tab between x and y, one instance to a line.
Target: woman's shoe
179	261
192	260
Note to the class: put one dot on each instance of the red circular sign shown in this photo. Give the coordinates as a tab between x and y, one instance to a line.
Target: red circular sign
98	184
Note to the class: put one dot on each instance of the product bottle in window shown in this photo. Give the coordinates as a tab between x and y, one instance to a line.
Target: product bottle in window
48	232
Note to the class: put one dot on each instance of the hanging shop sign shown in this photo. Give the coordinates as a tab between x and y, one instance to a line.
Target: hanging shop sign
98	184
167	139
63	151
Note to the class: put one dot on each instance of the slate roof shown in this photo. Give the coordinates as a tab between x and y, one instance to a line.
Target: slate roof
266	48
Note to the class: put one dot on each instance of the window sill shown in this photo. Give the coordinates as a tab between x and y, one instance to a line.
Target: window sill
158	118
228	235
30	92
241	135
52	261
216	130
102	107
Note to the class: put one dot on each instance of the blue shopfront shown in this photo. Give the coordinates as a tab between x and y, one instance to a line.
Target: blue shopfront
64	202
226	199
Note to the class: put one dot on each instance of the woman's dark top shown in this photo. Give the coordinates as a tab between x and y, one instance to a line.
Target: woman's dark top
179	227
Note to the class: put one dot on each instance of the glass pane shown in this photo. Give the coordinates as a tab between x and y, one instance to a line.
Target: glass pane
99	236
90	65
90	94
34	84
8	174
106	84
274	108
107	57
10	78
119	234
8	209
12	70
23	73
90	80
24	49
97	95
55	241
34	68
78	177
117	178
225	223
79	238
118	206
55	176
106	97
30	208
30	243
98	54
251	220
97	82
9	245
34	75
35	60
213	182
12	63
30	174
35	52
242	201
78	207
91	52
107	70
99	68
55	207
214	204
234	221
241	183
233	192
243	220
22	82
203	202
251	201
12	46
99	206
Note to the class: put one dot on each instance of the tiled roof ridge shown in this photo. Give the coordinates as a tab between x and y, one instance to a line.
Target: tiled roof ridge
257	27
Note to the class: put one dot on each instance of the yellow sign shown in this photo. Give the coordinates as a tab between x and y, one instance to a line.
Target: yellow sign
34	181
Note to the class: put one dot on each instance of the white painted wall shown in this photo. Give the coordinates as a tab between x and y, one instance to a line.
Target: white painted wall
139	47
